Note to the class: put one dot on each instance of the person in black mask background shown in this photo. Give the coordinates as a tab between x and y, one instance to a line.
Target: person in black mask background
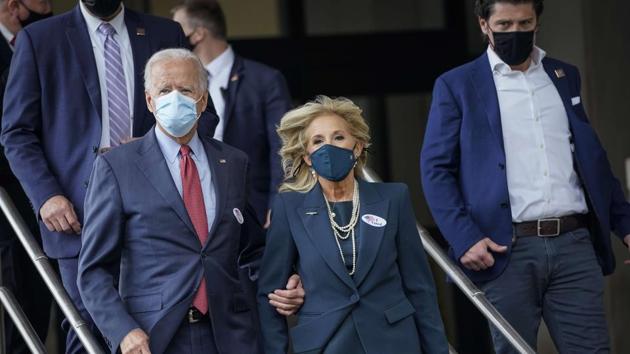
250	97
75	89
520	186
18	272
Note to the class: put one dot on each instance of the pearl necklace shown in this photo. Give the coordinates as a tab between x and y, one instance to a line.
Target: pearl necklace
343	232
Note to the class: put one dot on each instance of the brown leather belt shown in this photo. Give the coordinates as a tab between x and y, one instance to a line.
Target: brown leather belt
195	316
550	227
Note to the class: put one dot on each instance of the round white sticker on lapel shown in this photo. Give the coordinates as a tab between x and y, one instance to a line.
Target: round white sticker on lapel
374	220
238	215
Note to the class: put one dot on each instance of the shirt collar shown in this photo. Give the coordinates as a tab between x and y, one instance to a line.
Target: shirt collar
221	63
6	34
93	22
170	148
498	65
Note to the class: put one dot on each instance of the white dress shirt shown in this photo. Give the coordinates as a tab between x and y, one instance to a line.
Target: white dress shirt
219	79
541	180
98	45
7	35
170	150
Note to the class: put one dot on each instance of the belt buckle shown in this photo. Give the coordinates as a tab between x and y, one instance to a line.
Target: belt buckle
539	227
191	316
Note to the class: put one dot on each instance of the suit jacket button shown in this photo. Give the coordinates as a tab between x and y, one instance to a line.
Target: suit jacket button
504	205
85	184
354	298
502	166
95	149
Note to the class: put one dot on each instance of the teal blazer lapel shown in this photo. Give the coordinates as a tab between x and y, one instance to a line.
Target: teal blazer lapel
370	236
314	216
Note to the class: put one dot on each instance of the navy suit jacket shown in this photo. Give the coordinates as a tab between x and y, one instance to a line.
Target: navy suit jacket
463	164
255	100
51	127
136	224
391	297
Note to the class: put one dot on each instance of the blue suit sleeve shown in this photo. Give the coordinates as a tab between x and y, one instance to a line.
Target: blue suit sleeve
99	260
278	102
418	280
22	126
439	167
277	265
252	242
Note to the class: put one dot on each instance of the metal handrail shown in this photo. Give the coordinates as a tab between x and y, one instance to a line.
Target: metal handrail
474	294
48	274
21	322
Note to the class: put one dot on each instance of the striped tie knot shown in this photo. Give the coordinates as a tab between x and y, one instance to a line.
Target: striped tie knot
106	29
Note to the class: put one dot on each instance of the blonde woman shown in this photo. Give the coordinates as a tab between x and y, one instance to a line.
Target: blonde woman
354	244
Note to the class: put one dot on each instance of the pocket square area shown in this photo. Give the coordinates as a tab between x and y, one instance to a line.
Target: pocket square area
575	100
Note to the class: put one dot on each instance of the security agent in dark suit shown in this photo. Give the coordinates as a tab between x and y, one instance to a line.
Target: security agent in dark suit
18	273
57	118
250	97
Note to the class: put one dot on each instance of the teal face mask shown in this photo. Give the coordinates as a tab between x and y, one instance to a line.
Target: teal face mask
332	162
176	113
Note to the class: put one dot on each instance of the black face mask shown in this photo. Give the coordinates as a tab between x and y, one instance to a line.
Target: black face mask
33	16
102	8
513	47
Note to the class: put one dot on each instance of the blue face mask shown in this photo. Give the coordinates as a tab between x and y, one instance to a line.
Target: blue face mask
176	113
332	162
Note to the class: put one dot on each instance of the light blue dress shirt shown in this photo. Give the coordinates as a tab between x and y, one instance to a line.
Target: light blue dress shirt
170	150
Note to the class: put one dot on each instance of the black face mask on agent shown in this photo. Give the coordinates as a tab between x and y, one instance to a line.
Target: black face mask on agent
33	16
513	47
102	8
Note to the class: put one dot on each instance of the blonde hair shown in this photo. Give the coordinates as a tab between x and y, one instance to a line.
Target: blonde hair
292	131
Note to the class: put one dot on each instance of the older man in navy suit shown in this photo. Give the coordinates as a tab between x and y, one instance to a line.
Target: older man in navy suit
169	214
520	185
76	88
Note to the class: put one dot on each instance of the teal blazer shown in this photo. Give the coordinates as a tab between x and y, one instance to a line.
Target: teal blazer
390	299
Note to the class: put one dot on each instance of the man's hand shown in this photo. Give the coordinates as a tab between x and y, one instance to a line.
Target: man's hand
135	342
478	257
59	216
627	241
288	302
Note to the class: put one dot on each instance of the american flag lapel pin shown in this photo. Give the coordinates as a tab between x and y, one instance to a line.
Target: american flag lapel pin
222	161
140	31
559	73
234	78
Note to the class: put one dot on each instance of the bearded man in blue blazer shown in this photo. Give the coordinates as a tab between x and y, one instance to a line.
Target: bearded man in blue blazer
520	185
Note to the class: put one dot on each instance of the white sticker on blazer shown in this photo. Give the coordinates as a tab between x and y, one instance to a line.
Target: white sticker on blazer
374	220
575	100
238	215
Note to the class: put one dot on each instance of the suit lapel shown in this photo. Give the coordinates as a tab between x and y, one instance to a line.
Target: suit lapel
236	76
370	237
139	39
487	94
562	85
317	225
154	168
219	169
81	45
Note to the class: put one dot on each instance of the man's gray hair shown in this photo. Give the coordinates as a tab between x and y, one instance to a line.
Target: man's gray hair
176	54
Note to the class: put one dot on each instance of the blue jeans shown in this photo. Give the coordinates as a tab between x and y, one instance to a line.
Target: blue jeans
557	279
